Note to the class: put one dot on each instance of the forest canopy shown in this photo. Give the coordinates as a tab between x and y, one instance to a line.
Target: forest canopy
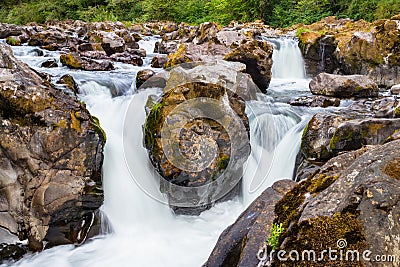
277	13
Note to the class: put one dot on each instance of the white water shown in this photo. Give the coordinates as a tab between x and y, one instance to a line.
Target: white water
288	61
145	232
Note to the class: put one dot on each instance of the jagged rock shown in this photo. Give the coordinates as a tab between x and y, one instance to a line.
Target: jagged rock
69	83
158	61
190	52
257	55
165	48
343	86
51	158
206	32
9	252
354	197
354	134
53	37
316	101
127	58
379	108
210	135
50	63
142	76
74	61
231	38
14	40
7	30
317	136
169	27
137	52
353	47
238	245
110	41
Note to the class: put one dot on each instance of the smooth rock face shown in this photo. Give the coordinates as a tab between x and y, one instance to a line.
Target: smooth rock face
395	90
211	130
50	159
239	243
228	74
343	86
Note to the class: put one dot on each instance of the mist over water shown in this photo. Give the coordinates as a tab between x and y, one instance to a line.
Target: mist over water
139	230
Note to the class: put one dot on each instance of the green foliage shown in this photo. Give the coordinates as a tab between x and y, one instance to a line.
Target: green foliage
278	13
276	232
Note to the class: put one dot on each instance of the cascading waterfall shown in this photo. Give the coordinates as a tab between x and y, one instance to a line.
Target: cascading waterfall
145	232
287	57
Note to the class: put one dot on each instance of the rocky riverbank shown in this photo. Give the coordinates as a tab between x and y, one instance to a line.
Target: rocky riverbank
347	166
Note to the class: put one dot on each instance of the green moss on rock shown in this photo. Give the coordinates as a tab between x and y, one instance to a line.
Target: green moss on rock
95	123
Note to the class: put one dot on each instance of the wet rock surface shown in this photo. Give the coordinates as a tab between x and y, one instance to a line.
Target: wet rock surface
50	159
205	120
238	245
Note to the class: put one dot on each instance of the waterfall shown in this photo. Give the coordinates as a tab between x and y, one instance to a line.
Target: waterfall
287	57
144	231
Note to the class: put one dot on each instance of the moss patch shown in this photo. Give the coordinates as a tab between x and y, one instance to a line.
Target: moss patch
393	169
322	233
153	122
94	122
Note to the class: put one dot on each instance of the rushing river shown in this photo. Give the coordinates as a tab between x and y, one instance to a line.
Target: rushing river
138	230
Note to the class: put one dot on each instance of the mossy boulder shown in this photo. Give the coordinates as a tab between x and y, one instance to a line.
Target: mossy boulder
75	61
343	86
353	47
206	32
315	142
51	157
354	134
206	129
350	204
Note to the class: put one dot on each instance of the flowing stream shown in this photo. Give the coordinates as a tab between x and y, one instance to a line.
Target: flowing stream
138	230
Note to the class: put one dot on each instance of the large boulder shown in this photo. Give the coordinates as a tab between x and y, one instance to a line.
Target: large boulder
110	41
353	47
257	55
238	245
75	61
200	151
50	159
343	86
395	90
350	205
189	52
7	30
315	142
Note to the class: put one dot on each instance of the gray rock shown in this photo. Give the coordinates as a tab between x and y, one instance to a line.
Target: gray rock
395	90
343	86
